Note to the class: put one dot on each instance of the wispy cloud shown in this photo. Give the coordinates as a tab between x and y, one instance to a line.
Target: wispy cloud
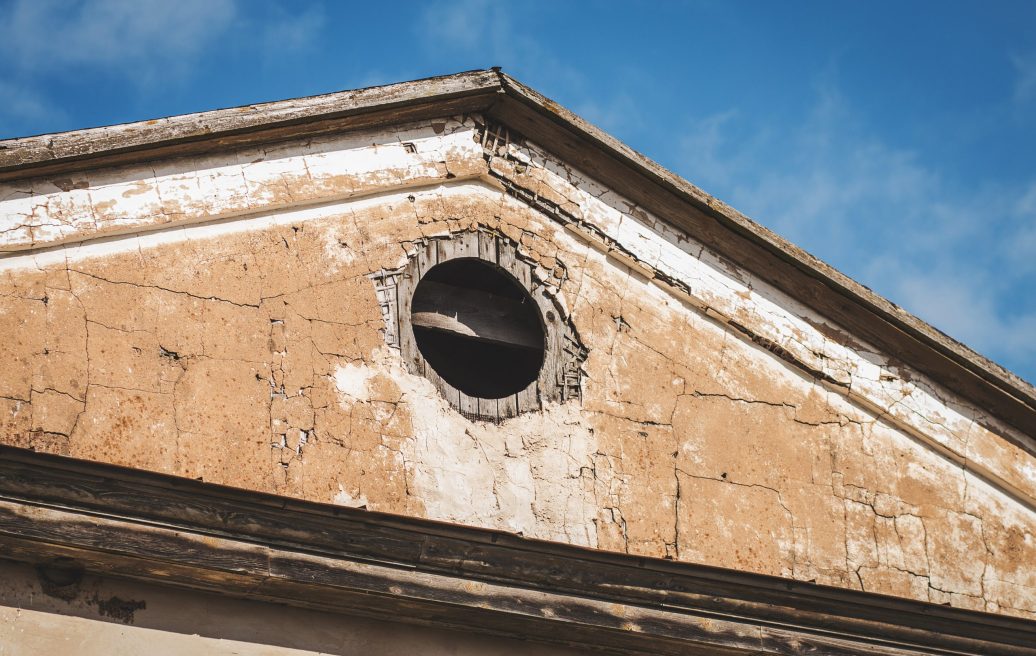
293	30
961	257
971	303
1025	77
20	105
135	36
620	112
1021	251
484	33
461	24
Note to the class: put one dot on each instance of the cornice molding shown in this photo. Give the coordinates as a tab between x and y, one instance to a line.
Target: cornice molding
190	534
501	98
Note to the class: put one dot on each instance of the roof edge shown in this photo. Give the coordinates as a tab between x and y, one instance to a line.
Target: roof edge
41	154
767	255
910	325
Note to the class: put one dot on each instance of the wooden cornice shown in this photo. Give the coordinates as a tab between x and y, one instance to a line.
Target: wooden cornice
167	530
867	315
59	154
497	96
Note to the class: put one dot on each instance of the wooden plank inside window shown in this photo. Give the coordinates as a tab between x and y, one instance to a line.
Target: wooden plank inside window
475	314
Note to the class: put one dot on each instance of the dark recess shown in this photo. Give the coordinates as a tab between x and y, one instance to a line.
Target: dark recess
480	367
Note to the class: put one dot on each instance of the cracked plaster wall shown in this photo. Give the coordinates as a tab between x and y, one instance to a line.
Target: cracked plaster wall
213	318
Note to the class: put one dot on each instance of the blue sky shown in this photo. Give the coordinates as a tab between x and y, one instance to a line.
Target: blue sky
895	140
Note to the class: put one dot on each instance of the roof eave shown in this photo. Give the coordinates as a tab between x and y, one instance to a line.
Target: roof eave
794	271
500	97
191	134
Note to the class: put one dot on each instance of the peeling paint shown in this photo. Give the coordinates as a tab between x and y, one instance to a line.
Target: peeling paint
215	318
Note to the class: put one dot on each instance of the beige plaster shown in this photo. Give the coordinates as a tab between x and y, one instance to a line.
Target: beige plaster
230	332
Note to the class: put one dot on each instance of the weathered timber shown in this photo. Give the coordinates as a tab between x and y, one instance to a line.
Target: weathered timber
473	313
485	316
646	184
767	255
130	523
204	132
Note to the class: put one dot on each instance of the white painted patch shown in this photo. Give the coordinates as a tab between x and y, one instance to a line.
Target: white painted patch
343	498
206	188
353	380
523	476
106	246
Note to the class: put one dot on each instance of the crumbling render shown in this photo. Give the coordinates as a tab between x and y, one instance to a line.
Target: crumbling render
216	318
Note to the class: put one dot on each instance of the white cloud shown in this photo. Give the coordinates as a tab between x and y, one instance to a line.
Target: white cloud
293	31
1021	250
138	37
482	34
20	105
960	257
461	24
1025	81
964	303
707	151
620	113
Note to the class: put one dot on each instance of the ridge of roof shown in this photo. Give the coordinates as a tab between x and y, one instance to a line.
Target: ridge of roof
791	269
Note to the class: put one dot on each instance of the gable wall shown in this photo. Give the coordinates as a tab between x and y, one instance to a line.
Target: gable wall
219	323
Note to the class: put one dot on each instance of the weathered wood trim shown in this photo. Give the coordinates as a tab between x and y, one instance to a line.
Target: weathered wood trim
560	376
475	314
162	529
899	334
204	132
773	259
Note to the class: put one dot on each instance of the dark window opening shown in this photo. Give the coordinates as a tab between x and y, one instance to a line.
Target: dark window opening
478	328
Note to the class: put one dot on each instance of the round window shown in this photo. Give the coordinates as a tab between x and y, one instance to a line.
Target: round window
478	328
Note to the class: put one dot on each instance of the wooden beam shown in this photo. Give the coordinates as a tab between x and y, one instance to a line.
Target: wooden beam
167	530
476	314
773	259
598	155
194	134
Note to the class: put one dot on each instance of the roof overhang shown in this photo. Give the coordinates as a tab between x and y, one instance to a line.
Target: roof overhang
900	335
76	515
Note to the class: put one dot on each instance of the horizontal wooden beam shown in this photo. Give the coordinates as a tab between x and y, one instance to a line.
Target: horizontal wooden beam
236	127
130	523
476	314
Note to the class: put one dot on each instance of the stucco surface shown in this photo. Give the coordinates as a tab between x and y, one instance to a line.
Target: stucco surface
214	318
109	617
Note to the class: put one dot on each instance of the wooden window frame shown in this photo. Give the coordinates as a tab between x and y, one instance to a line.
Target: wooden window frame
560	376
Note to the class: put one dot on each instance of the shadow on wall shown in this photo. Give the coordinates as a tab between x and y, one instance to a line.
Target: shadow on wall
45	610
